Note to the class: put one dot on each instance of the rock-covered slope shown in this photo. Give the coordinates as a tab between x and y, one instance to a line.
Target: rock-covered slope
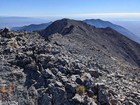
104	24
63	69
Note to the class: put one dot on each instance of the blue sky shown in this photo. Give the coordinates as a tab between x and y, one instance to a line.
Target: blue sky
117	9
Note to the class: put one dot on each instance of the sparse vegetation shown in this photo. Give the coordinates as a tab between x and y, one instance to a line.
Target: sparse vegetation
81	89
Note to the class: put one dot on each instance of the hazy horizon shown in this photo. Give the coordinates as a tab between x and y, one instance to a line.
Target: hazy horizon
108	10
25	12
14	21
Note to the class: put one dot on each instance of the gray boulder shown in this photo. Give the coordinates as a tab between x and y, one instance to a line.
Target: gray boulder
58	95
45	100
95	73
77	99
102	96
71	90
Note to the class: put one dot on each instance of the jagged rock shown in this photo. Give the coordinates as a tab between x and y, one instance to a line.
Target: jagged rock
55	51
29	53
33	91
119	75
90	93
62	61
93	103
79	81
111	92
87	75
7	34
115	102
49	65
54	70
31	67
45	59
102	96
5	30
77	99
64	79
59	74
74	77
22	60
58	95
48	74
95	73
17	74
7	50
71	90
138	97
130	102
133	102
31	71
58	84
79	66
88	101
63	69
78	71
45	100
88	83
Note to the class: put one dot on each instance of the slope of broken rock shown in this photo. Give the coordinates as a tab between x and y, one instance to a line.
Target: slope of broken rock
56	72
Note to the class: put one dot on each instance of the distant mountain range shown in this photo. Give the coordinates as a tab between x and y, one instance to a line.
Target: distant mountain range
104	24
32	27
94	22
14	21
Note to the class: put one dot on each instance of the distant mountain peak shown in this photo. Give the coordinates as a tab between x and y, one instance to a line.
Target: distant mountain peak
104	24
32	27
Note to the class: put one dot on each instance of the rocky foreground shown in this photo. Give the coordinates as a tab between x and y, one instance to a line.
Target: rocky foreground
52	71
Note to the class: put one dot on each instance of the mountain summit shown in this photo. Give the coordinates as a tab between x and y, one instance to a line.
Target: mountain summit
64	26
105	39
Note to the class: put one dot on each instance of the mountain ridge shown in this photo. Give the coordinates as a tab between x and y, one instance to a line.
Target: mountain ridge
103	24
32	27
94	22
82	32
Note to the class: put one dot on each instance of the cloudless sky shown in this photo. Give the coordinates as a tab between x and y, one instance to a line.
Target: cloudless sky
71	8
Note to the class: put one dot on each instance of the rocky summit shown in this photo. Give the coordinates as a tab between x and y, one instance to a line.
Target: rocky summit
69	63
